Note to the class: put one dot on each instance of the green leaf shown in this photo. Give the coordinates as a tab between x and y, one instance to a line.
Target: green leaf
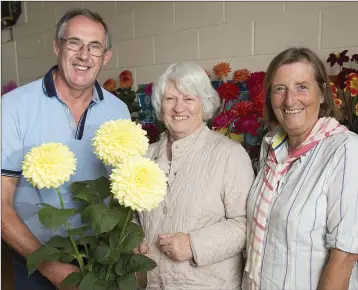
88	281
127	283
72	279
91	191
102	219
67	258
121	265
139	263
52	217
133	236
92	281
91	241
60	242
106	255
45	253
80	232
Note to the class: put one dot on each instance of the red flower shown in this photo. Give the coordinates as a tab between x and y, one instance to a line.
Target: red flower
110	85
339	58
258	106
244	108
152	132
256	78
125	79
228	91
148	89
341	77
355	58
223	119
247	124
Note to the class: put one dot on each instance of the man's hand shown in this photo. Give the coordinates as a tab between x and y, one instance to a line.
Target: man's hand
142	248
175	246
56	272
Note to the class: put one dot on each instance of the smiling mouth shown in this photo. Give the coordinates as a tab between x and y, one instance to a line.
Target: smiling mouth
180	118
81	67
292	112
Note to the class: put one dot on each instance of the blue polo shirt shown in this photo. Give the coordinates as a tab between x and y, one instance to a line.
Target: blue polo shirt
35	114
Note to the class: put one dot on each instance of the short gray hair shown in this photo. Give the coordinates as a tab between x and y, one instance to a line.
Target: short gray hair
189	78
62	23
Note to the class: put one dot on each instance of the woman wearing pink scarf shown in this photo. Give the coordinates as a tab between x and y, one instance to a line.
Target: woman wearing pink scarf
302	210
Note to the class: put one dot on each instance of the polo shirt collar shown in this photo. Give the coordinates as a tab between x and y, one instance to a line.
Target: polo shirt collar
49	88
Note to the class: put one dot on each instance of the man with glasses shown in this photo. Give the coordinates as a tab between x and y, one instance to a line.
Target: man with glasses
68	106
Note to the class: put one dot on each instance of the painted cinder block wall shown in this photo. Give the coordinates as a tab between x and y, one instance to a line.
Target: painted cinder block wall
148	36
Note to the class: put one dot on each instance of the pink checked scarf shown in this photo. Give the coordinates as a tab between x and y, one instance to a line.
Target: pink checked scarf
274	170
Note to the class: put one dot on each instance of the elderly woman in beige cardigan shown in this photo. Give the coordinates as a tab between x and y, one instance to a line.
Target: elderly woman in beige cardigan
197	234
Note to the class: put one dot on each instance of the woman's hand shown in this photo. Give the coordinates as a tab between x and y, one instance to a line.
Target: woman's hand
175	246
142	248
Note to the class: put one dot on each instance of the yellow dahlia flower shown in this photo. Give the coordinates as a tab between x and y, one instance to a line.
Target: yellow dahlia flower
138	183
116	140
49	165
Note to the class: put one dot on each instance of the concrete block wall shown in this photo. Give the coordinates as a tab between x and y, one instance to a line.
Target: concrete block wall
149	36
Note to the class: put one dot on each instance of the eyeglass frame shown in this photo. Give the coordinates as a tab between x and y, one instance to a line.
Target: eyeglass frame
88	45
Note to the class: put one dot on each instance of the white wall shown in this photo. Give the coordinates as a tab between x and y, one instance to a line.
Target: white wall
148	36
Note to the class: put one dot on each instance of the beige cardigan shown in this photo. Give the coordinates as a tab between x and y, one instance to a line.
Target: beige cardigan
208	182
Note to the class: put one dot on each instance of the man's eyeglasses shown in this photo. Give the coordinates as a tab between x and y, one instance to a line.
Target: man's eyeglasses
75	44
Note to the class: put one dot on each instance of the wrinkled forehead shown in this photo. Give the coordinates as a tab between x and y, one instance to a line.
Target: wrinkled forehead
85	29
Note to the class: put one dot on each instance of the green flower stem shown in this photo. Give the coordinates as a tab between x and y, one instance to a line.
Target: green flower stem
124	228
86	249
77	253
110	200
119	241
108	271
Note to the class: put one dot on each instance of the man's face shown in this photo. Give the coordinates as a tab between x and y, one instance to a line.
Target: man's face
79	68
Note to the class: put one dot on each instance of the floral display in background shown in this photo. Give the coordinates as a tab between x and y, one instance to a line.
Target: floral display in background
138	102
345	87
9	86
124	91
241	112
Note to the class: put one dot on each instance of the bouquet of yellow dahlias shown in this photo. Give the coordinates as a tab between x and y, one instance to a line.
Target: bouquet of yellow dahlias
106	257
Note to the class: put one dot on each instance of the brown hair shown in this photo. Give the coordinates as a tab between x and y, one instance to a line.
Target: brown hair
292	55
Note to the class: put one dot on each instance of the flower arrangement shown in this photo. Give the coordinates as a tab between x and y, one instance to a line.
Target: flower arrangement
345	87
103	248
241	113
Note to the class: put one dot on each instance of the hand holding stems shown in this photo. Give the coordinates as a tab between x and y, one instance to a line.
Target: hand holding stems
176	246
56	272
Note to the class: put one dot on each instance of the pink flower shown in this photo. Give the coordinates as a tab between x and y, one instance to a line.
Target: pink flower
148	89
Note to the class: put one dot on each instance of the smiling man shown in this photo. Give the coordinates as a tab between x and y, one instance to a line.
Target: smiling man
67	105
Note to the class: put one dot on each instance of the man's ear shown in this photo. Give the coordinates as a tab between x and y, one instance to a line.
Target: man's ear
56	49
107	57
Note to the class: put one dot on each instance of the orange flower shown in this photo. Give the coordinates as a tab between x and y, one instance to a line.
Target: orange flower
352	84
241	75
110	85
222	70
338	102
125	79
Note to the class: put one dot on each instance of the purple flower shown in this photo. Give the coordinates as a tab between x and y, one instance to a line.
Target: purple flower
355	58
148	89
11	85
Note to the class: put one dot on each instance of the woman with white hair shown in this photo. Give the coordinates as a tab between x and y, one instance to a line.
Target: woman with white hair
197	234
